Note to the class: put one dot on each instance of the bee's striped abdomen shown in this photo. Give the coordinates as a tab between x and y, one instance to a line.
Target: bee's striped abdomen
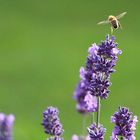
114	24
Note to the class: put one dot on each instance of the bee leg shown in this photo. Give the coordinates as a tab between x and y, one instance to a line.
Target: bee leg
112	30
120	25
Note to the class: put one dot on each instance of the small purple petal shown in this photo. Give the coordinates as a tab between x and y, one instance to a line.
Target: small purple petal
91	102
113	38
82	73
93	49
116	51
135	120
112	119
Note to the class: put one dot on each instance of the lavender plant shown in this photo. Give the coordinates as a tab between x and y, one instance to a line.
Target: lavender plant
95	80
92	87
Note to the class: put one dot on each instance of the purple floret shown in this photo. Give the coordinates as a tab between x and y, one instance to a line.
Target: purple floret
125	124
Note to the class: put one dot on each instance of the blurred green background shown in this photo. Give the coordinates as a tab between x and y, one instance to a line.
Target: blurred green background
43	43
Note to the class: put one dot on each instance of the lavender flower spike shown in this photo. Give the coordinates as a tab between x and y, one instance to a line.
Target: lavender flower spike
6	126
100	63
95	77
52	123
125	124
96	133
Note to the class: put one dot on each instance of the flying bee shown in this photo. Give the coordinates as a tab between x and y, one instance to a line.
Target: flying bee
113	20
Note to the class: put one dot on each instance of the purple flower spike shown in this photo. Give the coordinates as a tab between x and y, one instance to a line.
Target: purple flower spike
6	126
96	133
52	123
95	77
101	65
125	124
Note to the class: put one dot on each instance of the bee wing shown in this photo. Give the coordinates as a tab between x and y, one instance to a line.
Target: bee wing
121	15
103	22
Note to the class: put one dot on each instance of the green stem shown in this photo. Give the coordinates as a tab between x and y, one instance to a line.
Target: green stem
98	113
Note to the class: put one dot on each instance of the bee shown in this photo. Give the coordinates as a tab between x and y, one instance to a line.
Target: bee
113	20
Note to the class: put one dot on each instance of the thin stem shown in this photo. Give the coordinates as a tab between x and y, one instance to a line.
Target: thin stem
98	113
